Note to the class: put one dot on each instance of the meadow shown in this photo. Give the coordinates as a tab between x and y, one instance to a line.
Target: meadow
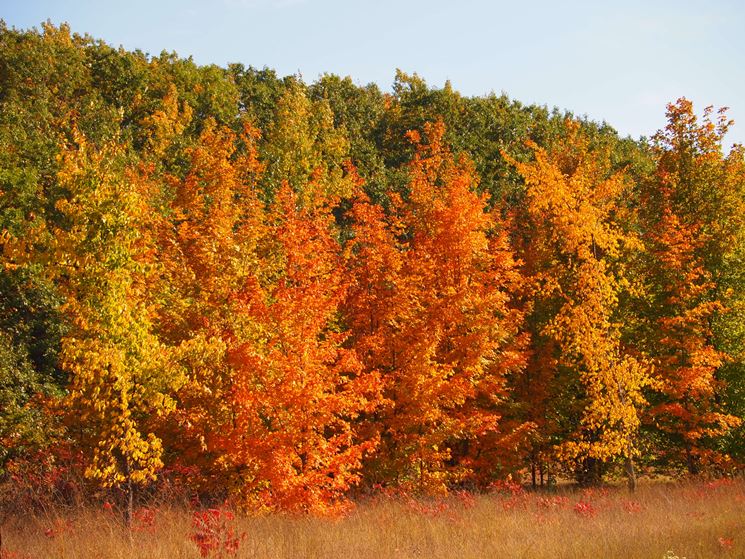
660	521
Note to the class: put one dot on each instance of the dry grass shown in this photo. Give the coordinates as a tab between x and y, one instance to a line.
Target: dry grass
693	521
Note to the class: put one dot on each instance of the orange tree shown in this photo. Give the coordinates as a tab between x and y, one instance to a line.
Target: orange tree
695	213
429	310
207	251
297	391
249	303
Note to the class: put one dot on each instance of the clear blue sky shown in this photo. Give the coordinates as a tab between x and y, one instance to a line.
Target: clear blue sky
618	61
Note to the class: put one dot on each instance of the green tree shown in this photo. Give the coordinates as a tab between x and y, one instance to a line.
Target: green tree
304	149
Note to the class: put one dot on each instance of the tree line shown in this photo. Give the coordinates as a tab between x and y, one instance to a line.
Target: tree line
283	293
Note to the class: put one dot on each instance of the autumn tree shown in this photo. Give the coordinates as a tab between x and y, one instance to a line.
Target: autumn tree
305	149
118	382
207	237
44	78
430	311
297	390
694	208
252	297
574	263
358	112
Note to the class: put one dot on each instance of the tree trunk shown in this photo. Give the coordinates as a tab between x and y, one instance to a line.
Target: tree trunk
692	462
129	509
589	472
130	502
631	473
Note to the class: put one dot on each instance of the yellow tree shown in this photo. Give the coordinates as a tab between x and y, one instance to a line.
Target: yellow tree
100	260
575	269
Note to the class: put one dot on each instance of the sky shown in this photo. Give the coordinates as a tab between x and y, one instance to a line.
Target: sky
613	61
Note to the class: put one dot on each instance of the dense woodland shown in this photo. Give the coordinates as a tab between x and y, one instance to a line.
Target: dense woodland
286	293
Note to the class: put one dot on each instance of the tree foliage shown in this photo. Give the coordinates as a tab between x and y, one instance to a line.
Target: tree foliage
275	292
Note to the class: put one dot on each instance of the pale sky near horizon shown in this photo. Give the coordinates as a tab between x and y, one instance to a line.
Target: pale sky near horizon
620	62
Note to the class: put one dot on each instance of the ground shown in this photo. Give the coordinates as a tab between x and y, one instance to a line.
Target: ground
699	520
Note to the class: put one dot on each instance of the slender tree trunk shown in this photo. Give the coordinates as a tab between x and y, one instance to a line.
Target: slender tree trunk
129	509
629	463
631	473
130	502
421	472
691	462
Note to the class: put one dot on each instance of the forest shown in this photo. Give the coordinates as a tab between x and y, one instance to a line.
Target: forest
253	289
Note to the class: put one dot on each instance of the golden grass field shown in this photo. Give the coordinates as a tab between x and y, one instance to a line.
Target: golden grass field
695	520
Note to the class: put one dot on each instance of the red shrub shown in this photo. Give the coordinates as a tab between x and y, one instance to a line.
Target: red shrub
585	508
213	533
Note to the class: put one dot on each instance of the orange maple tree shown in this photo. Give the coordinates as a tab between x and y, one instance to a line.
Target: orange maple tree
208	236
297	391
693	225
430	311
